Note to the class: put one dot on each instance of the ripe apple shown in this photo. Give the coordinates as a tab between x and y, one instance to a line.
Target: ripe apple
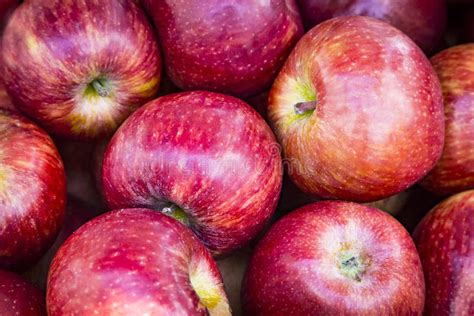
358	110
206	159
334	258
32	192
445	239
134	260
228	46
80	67
455	170
18	297
423	21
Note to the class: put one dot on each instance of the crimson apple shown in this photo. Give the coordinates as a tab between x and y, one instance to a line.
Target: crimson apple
334	258
228	46
455	170
204	158
423	21
445	239
18	297
80	67
358	110
32	192
131	261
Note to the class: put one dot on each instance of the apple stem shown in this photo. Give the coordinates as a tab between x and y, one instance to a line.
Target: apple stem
304	107
100	88
177	213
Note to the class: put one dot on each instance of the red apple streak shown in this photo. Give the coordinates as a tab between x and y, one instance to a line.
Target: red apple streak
378	122
134	262
445	242
209	154
455	170
80	67
334	258
18	297
234	47
32	192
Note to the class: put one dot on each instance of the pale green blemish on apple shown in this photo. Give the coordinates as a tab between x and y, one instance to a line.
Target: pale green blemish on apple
352	265
99	87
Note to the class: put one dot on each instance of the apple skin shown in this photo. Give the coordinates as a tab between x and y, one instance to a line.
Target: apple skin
228	46
6	9
378	124
18	297
32	192
5	101
58	55
424	21
297	268
134	260
454	172
445	240
208	154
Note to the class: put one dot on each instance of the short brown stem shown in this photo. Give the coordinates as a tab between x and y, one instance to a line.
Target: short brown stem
304	107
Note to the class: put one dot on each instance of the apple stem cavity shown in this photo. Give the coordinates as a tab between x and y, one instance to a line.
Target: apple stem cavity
174	211
306	107
100	86
352	267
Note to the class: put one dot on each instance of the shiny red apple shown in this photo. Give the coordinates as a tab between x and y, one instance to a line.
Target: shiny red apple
334	258
80	67
32	192
204	158
18	297
445	242
228	46
358	110
131	262
423	21
455	170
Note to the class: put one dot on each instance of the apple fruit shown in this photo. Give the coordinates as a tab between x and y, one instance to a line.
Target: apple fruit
32	192
454	172
81	67
134	260
358	110
18	297
424	21
334	258
6	8
228	46
445	239
206	159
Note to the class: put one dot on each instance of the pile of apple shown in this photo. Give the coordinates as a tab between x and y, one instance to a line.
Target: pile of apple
167	170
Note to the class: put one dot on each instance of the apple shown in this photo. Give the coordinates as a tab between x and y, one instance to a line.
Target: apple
206	159
32	192
228	46
455	170
358	110
445	240
81	67
424	21
334	258
134	260
18	297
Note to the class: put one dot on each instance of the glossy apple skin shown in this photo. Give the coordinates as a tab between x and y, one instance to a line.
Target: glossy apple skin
378	126
424	21
133	262
295	270
32	192
210	154
455	170
445	242
53	51
18	297
228	46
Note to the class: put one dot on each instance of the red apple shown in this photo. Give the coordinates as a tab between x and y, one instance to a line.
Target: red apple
358	110
423	21
455	170
18	297
80	67
32	192
228	46
134	261
204	158
445	242
335	258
